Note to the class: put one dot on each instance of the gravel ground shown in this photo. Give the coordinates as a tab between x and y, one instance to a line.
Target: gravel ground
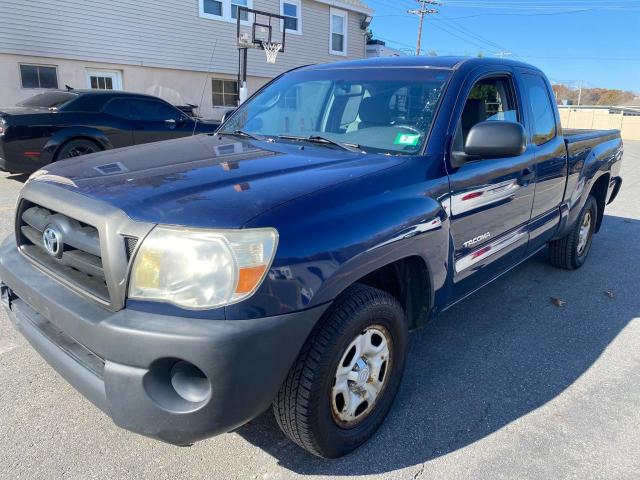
504	385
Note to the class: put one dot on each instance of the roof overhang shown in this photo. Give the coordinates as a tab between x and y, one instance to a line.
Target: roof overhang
352	5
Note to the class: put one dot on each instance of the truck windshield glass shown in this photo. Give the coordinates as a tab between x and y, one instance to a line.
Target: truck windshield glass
385	110
48	100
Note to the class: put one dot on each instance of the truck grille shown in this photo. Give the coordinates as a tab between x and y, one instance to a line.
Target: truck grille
66	248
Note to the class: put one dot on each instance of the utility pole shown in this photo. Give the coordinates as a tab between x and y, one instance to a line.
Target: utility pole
421	12
580	92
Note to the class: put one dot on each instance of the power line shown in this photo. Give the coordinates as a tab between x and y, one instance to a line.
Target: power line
421	12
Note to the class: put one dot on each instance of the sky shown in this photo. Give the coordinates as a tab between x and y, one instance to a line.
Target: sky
596	42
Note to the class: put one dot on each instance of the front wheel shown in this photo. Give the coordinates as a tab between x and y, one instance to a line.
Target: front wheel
343	383
570	252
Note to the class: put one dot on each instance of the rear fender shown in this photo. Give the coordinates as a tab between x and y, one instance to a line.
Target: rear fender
60	137
597	163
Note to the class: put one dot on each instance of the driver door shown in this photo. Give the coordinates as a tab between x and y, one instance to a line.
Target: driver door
491	198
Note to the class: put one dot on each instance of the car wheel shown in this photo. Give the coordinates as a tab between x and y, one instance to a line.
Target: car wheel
570	252
76	148
345	379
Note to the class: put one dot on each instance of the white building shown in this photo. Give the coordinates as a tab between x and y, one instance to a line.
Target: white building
378	48
183	51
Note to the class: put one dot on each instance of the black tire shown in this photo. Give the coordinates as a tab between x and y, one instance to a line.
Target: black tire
304	405
565	252
76	148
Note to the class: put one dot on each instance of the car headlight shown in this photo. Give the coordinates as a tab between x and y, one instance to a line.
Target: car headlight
199	268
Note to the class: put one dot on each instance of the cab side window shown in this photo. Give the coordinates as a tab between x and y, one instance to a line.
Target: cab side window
544	119
490	99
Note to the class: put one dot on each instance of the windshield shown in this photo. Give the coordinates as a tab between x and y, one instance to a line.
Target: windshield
386	110
48	100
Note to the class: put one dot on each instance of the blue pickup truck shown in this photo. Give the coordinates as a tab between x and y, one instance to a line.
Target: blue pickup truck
185	286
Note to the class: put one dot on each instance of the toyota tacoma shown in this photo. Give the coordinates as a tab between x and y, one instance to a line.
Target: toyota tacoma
185	286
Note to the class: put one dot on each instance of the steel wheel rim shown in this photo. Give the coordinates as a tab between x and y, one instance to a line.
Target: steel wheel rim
361	376
585	233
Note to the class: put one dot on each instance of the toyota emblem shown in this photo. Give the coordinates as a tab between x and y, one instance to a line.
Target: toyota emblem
52	239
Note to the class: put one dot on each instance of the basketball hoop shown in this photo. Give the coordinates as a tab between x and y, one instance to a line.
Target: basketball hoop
271	50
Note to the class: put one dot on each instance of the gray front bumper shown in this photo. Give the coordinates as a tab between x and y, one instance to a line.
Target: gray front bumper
118	359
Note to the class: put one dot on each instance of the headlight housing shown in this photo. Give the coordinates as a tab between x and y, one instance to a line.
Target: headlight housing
198	268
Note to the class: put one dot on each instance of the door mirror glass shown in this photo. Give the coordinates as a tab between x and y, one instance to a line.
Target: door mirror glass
493	139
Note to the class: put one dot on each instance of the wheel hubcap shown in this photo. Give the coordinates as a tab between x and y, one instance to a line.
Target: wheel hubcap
361	376
585	232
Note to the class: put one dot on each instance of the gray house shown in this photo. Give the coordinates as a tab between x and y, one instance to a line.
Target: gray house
182	50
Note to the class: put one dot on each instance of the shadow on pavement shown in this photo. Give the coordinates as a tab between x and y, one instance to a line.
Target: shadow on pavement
18	177
491	359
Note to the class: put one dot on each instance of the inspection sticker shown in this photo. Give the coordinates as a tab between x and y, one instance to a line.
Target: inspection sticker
407	139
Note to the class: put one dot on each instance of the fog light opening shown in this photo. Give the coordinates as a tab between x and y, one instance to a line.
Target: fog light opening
189	382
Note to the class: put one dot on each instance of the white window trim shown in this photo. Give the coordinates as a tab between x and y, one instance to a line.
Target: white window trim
226	12
116	76
235	80
44	89
298	3
338	13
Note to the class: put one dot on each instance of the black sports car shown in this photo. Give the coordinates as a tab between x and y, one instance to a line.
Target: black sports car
60	124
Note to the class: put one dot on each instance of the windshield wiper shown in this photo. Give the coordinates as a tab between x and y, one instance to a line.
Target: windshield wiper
350	147
242	133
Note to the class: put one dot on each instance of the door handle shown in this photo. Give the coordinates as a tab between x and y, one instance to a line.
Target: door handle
526	176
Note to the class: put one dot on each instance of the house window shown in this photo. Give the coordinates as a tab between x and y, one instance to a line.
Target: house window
39	76
224	93
234	9
210	8
104	79
290	9
338	32
225	10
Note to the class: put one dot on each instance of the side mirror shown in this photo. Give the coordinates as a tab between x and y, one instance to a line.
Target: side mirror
227	114
492	139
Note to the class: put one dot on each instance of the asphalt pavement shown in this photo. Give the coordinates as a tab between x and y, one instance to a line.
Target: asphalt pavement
505	385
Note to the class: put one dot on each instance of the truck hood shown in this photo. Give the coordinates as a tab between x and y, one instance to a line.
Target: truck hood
208	181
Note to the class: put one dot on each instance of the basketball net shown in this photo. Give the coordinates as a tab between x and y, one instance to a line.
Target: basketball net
271	50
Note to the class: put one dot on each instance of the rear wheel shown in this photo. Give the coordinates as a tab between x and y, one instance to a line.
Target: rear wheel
570	252
344	381
76	148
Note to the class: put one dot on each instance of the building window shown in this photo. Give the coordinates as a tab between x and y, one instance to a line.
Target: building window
104	79
211	8
234	9
224	93
338	32
291	10
39	76
225	10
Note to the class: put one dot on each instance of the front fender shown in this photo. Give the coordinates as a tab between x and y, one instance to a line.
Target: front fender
333	238
61	136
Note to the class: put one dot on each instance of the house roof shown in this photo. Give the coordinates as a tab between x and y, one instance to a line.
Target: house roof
353	5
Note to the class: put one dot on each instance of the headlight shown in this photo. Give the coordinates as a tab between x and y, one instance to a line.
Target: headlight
198	268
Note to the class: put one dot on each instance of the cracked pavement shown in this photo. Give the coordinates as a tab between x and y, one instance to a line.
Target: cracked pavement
504	385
